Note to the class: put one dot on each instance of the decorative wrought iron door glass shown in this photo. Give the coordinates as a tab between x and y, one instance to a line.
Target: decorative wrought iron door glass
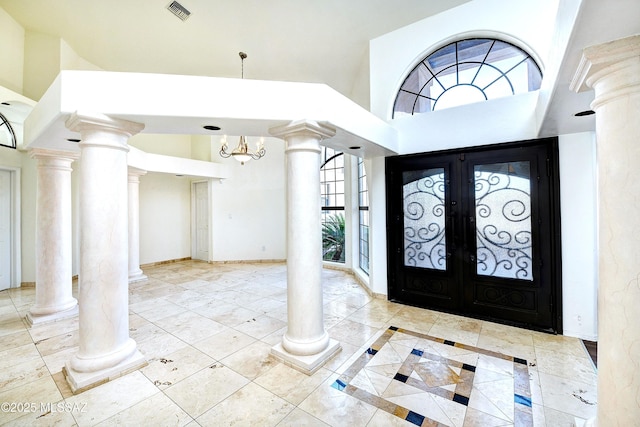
503	220
424	219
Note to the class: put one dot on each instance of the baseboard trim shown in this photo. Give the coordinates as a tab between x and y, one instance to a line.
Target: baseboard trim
169	261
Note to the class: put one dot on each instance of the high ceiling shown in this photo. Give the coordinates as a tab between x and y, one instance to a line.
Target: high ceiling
316	41
323	41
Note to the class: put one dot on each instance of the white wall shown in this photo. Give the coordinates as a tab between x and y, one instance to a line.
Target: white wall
165	202
393	56
378	230
165	218
489	122
249	208
578	202
12	48
41	63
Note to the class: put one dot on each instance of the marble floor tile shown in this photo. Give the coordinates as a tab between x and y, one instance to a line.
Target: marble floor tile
300	418
176	366
352	332
40	391
188	299
12	326
8	311
266	409
251	361
205	389
291	384
107	400
456	328
572	397
335	407
160	346
15	339
47	346
190	327
23	353
260	326
224	343
60	416
22	373
47	330
157	410
566	366
226	313
266	305
207	331
56	361
161	310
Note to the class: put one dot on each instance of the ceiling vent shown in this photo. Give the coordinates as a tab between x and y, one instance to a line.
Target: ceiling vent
179	10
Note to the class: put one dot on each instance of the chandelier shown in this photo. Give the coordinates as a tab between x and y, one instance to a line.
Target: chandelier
242	153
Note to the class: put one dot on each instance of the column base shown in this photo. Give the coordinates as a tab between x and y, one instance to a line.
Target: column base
82	381
137	276
306	364
39	319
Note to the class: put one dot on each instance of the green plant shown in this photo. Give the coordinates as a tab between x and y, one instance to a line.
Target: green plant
333	238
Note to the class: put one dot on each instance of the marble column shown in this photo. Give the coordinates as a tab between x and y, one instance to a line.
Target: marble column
613	71
106	350
54	298
306	344
135	272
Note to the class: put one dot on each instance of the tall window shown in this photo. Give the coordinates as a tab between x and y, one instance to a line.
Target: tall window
363	206
332	204
464	72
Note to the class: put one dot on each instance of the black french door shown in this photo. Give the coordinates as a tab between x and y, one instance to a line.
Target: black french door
476	232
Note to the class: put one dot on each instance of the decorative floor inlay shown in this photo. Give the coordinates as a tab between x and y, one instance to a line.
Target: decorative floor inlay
430	381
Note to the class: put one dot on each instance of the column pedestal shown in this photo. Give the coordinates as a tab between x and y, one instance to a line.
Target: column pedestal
54	300
613	71
135	272
105	349
306	344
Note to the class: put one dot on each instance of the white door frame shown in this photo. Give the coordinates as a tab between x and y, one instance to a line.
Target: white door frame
15	279
193	218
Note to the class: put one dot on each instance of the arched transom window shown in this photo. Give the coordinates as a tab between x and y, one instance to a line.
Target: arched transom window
464	72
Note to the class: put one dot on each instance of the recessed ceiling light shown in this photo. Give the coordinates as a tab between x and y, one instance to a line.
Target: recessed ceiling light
73	140
584	113
355	147
5	103
211	127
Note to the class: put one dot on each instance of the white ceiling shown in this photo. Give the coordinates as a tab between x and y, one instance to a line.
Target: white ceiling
323	41
315	41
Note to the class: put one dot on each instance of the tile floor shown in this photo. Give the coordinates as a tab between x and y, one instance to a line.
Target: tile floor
207	331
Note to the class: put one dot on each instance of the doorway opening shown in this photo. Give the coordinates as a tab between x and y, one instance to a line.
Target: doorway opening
9	228
200	221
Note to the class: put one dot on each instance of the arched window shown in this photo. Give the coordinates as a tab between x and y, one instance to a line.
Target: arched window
7	135
332	204
464	72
